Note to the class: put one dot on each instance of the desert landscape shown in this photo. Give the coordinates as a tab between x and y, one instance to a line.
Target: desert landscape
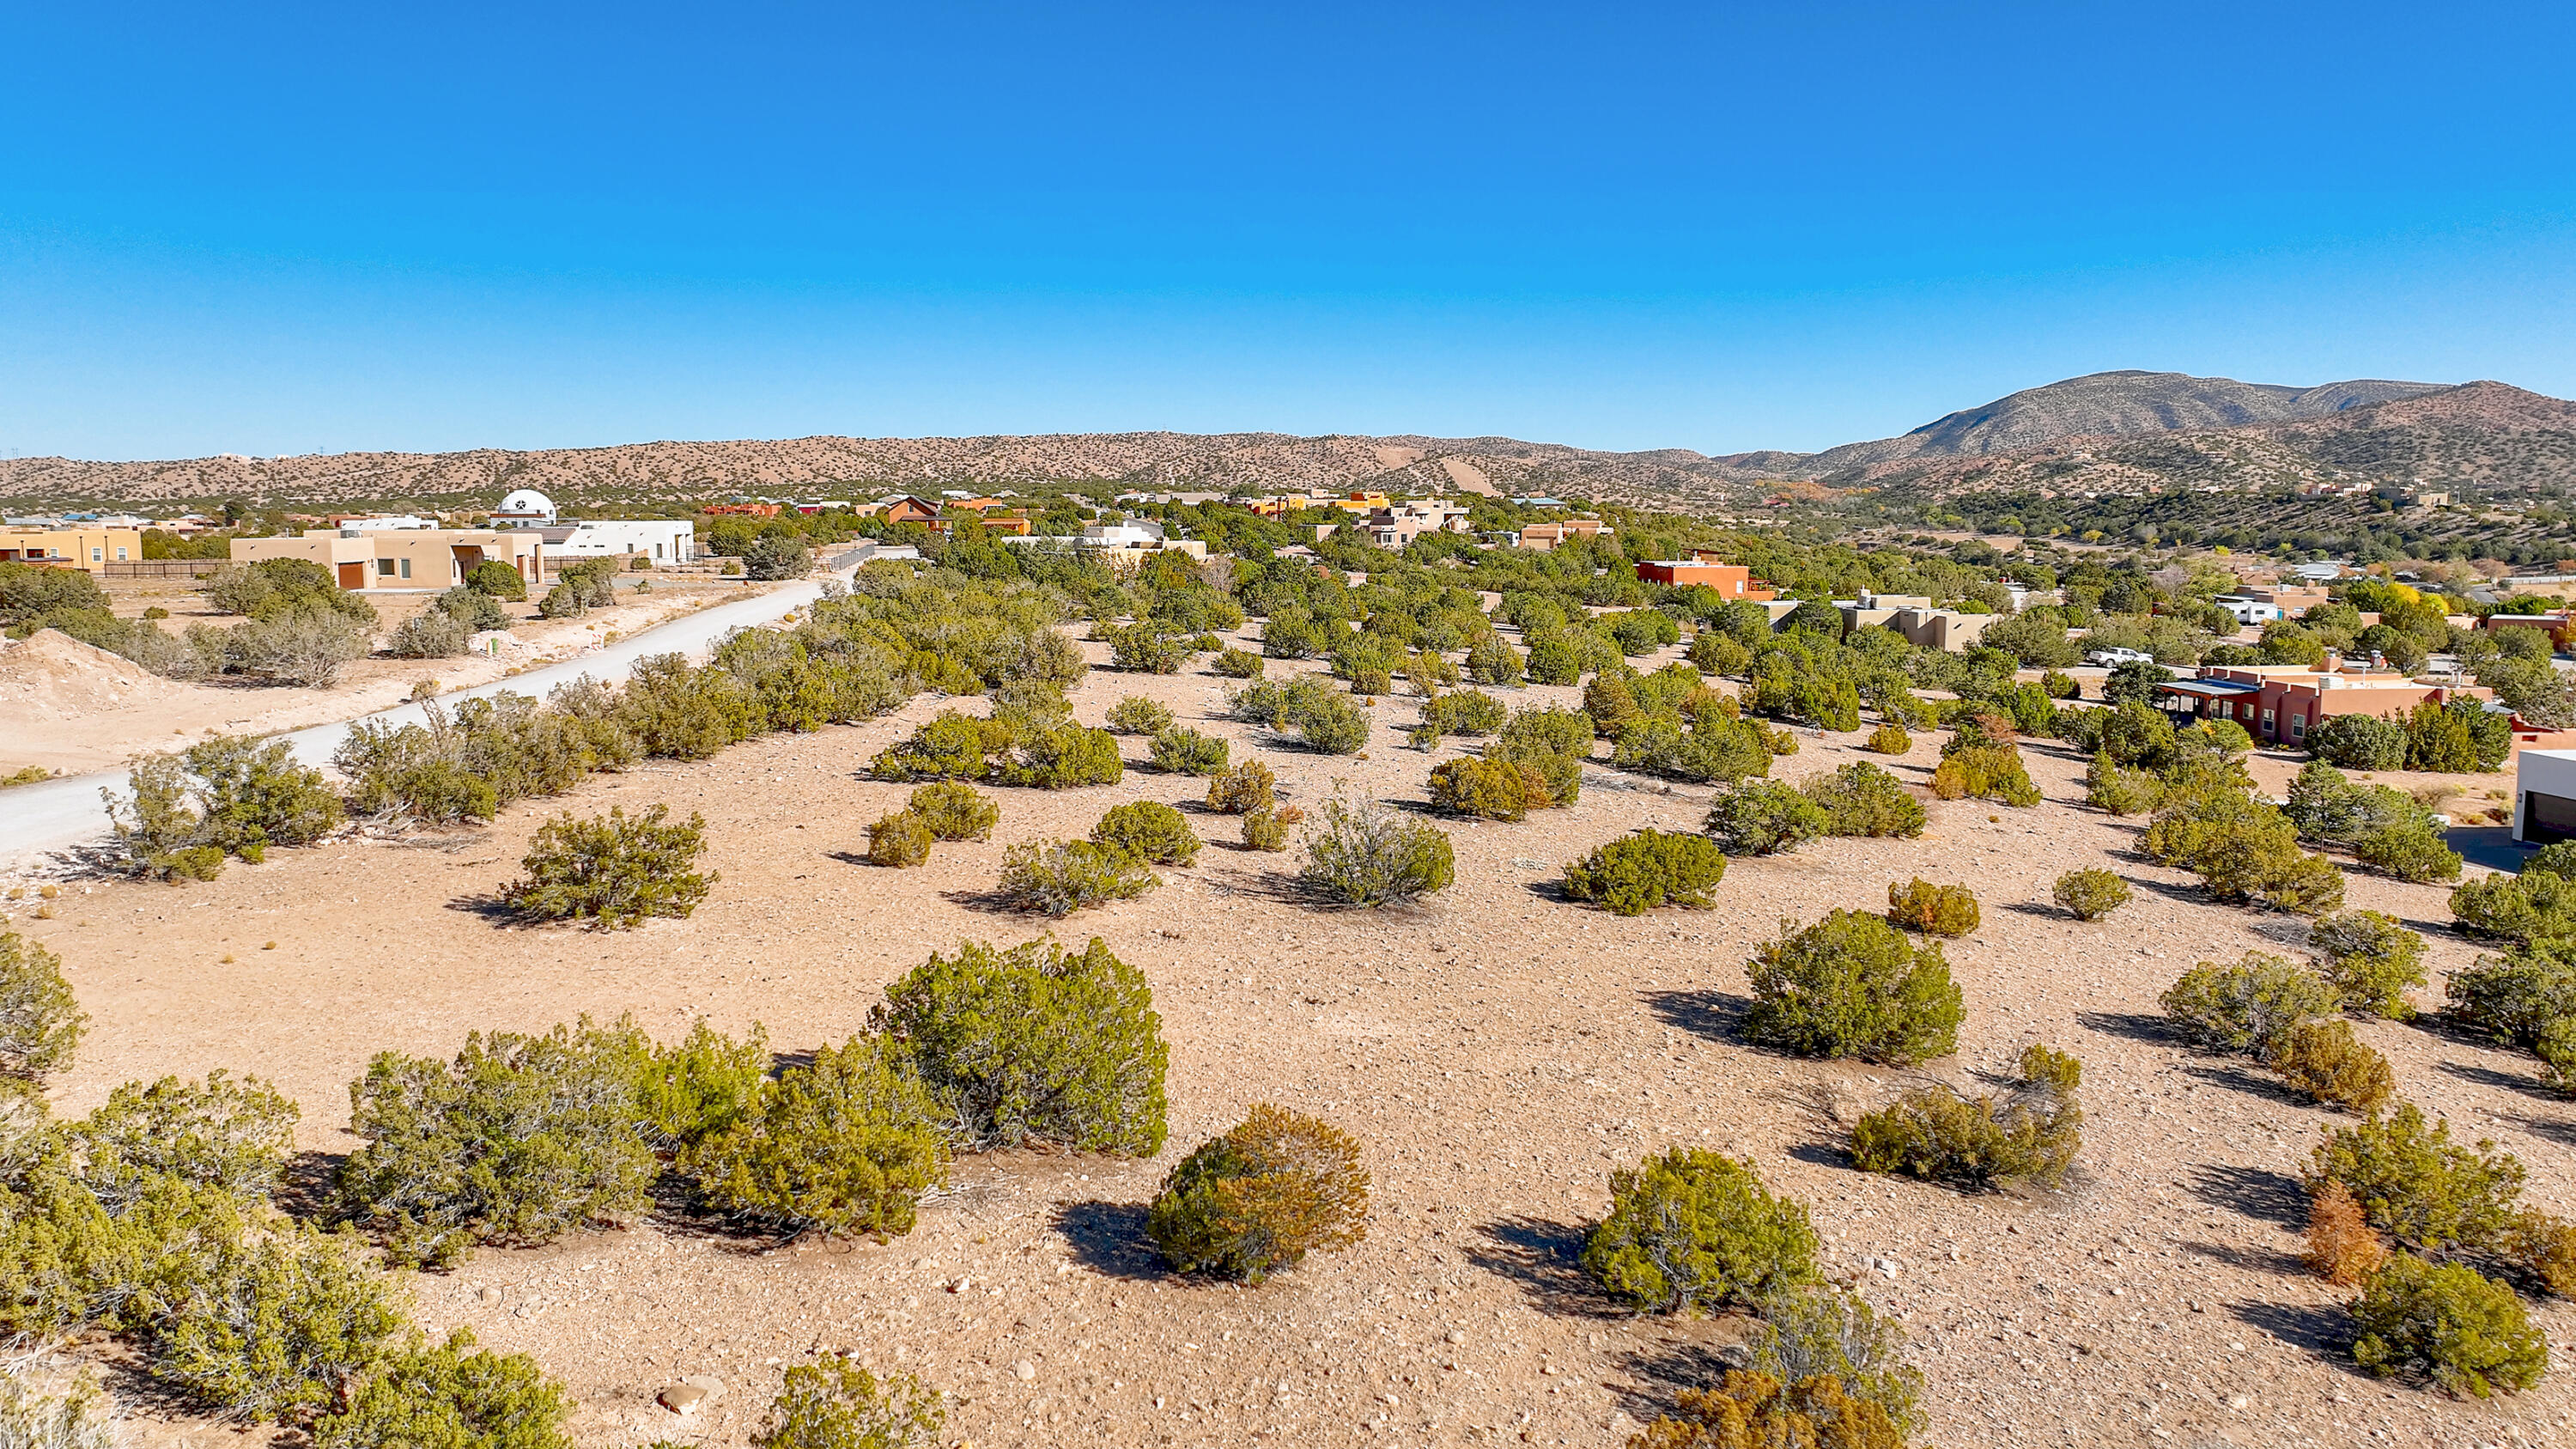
1496	1049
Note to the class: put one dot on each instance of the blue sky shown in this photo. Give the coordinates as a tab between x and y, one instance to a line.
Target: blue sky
296	228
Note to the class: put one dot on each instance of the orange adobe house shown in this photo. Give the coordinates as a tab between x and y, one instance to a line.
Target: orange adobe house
1732	581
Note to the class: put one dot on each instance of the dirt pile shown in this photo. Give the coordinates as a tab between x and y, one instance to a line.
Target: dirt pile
53	676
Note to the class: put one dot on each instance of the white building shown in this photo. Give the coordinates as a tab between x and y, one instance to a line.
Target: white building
523	505
2248	611
663	540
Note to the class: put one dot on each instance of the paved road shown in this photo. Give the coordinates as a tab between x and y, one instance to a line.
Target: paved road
61	814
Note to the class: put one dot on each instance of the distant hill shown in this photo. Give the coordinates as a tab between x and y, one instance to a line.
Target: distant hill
2114	432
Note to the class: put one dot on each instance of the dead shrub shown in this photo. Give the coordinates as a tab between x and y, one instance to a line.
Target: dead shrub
2343	1247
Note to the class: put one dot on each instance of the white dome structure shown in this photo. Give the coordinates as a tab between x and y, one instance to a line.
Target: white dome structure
525	505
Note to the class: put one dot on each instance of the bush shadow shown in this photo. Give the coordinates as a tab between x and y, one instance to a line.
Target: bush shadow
1109	1239
2238	1079
2321	1329
850	857
2532	1087
992	901
308	1189
2252	1260
2135	1025
1663	1370
678	1211
1713	1014
1541	1258
2255	1192
2040	909
494	910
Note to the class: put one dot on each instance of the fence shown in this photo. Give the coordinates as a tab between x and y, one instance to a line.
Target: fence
163	568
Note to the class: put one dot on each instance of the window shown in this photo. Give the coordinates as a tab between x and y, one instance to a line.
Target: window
98	555
2298	725
384	568
406	568
120	553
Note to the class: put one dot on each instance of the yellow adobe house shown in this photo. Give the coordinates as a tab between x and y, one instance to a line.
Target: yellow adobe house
403	558
90	548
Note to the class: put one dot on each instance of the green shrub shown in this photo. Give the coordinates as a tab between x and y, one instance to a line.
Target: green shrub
1936	910
2544	1246
2418	1187
1817	1333
2117	789
1486	789
2413	853
2468	1334
1148	830
1853	985
1238	663
1554	742
1985	773
2091	894
520	1139
839	1405
1187	752
2326	1062
2244	1009
40	1021
2370	960
2528	907
845	1145
953	810
1492	661
614	871
276	1326
704	1084
456	1395
1468	712
233	1136
229	795
1367	855
1636	873
1691	1231
1334	726
1064	876
2031	1133
2360	742
1860	799
430	634
901	839
1266	827
1035	1043
2526	998
1763	817
1137	715
1889	739
1272	1189
1243	789
2241	848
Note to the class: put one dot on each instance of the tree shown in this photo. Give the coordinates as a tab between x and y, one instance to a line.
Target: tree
1853	985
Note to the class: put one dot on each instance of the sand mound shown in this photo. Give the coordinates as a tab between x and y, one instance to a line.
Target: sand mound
53	676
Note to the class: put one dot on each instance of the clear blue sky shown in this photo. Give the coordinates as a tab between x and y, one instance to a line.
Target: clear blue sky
287	228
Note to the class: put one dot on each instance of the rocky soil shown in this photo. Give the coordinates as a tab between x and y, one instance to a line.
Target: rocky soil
1498	1051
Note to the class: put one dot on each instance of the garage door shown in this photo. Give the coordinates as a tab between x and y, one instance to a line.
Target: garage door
2548	817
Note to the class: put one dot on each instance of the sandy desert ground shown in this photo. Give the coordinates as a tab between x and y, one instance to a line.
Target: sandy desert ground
79	709
1498	1051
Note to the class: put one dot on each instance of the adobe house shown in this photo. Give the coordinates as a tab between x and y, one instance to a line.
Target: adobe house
1732	581
409	558
2285	703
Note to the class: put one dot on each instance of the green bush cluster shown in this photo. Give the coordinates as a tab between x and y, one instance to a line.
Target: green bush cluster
1266	827
1238	663
2370	961
1817	1335
41	1023
1260	1197
1137	715
1058	878
1487	789
2091	893
1986	772
1693	1231
1467	712
953	810
2383	828
2029	1134
2116	789
1860	799
1763	817
1009	747
467	764
1187	752
2245	1008
1935	910
1148	830
1245	788
1636	873
2525	998
1889	739
2327	1062
1367	855
1035	1043
2466	1333
2418	1186
1852	985
899	840
2538	904
838	1405
845	1144
231	795
2241	847
1307	710
1552	742
613	871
